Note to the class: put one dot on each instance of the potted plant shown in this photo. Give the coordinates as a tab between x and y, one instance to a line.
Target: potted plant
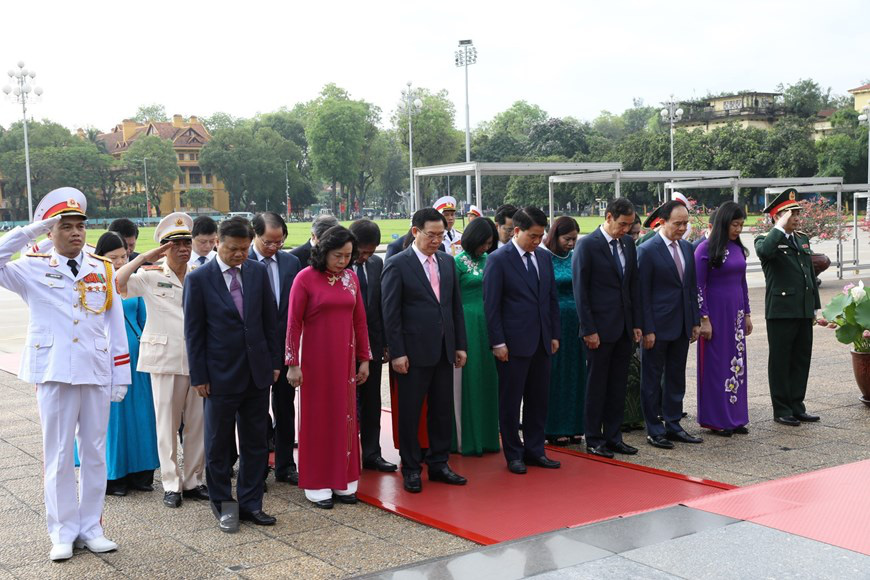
819	221
849	313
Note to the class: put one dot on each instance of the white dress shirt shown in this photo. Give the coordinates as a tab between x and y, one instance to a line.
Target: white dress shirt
523	256
194	258
273	265
671	251
620	250
225	270
424	259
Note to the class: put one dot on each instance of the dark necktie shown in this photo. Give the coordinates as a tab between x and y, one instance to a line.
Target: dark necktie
74	266
363	282
201	260
531	273
615	247
792	242
275	291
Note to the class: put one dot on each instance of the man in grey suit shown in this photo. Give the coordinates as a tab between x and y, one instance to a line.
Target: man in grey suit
425	330
368	268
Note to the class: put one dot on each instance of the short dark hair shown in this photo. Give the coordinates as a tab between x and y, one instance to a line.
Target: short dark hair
427	214
322	223
332	239
504	213
109	242
529	217
475	235
236	227
666	210
366	231
268	219
125	227
620	206
203	226
561	225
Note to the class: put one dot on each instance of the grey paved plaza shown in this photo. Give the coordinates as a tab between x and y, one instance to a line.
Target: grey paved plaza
347	541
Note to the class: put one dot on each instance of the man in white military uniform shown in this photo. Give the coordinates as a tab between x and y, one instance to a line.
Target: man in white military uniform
76	353
163	354
447	206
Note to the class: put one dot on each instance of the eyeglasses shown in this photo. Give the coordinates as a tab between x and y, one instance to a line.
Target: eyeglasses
434	237
272	244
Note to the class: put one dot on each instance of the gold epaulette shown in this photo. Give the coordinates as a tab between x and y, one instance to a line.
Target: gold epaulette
36	255
152	267
98	257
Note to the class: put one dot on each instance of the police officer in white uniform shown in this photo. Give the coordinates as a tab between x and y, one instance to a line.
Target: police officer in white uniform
162	353
447	206
77	355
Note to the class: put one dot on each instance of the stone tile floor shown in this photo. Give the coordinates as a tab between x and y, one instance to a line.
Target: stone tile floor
352	540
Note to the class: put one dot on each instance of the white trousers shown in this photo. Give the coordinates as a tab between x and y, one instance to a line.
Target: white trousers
62	408
322	494
174	401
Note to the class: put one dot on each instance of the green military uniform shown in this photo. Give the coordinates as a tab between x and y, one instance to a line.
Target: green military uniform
791	298
646	236
651	223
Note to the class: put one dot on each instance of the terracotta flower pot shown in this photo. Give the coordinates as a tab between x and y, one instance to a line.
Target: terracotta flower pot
821	262
861	368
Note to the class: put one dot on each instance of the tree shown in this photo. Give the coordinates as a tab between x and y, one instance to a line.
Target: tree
198	198
220	120
791	142
516	121
152	112
805	98
394	173
559	137
162	166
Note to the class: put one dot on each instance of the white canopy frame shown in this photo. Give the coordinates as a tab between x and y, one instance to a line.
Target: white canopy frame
483	168
618	176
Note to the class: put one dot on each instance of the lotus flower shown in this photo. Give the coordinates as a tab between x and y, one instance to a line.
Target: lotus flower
866	334
858	293
848	287
821	321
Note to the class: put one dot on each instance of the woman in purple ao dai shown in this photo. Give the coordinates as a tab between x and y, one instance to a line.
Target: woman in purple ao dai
720	262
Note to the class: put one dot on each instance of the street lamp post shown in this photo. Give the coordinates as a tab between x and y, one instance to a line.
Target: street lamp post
147	197
412	105
671	114
20	92
287	187
466	55
865	118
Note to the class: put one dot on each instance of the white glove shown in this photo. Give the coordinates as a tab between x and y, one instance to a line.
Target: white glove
118	393
35	230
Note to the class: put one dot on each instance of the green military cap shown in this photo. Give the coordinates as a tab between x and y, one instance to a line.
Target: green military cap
786	200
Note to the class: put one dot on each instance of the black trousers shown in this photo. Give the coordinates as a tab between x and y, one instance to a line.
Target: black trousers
284	411
369	400
251	410
605	391
523	380
790	345
663	399
436	383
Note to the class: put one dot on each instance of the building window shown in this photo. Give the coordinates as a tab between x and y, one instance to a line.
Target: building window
181	156
181	178
194	156
195	177
208	178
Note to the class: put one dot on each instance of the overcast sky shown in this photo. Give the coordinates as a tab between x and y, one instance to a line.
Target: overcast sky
97	61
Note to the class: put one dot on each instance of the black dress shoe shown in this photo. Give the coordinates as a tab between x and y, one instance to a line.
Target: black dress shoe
379	464
600	451
742	430
543	461
623	448
722	432
228	523
349	499
172	499
446	475
682	437
787	420
324	504
806	417
259	518
659	441
413	483
198	492
517	466
290	476
142	487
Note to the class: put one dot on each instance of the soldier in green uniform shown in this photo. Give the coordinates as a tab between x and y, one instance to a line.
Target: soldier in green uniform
791	301
651	224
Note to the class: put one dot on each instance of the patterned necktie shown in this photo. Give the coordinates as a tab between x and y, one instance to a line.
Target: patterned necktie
74	266
236	291
363	282
615	246
433	277
531	272
674	250
275	289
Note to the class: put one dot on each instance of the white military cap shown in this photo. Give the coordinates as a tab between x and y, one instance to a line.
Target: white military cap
677	196
61	201
175	226
474	210
446	203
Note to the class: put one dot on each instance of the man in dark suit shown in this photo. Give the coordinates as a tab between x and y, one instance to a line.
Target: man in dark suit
231	332
671	320
607	295
791	299
368	268
399	244
522	316
318	227
270	231
425	331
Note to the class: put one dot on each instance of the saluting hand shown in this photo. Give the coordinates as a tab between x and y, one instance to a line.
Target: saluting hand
783	219
156	253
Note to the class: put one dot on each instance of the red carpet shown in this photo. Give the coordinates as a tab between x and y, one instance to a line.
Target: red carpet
497	505
829	505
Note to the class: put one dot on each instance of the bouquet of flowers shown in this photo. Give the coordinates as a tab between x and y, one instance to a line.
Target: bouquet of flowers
819	221
849	314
